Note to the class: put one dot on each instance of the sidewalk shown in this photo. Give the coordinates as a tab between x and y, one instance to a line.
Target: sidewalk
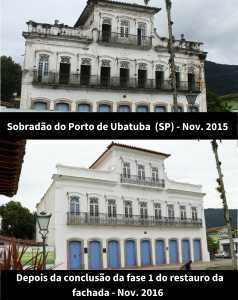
195	265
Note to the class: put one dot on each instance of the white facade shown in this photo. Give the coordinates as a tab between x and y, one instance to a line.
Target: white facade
111	60
124	199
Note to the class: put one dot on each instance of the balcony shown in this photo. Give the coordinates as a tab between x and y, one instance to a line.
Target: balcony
132	220
83	81
148	181
124	39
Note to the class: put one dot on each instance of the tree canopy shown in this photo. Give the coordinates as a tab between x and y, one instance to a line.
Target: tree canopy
17	221
211	245
11	74
214	104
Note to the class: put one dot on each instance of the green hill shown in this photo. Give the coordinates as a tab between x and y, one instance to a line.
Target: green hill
221	79
215	217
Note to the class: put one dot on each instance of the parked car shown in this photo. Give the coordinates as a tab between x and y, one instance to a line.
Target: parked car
223	254
236	254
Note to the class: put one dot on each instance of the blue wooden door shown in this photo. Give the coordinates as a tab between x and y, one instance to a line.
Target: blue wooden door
130	254
113	254
197	250
145	248
40	105
95	261
185	251
160	252
173	251
75	255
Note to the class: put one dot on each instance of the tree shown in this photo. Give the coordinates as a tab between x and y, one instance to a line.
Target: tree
221	190
211	246
17	221
11	74
215	104
168	5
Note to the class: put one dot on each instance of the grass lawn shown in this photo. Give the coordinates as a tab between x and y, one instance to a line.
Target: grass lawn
221	268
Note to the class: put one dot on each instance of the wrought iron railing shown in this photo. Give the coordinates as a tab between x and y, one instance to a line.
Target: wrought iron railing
123	38
149	181
94	81
135	220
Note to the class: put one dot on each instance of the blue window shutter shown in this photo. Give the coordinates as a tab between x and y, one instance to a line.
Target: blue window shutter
40	105
62	106
104	108
142	109
160	109
124	108
84	107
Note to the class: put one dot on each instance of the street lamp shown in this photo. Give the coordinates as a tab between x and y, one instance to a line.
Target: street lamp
43	221
191	98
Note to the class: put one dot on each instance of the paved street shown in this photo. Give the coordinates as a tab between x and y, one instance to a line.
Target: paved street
195	265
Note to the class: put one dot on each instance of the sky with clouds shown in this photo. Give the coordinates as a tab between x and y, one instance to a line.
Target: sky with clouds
191	161
213	22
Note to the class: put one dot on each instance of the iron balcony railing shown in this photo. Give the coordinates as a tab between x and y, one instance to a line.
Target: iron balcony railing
124	38
94	81
148	181
75	218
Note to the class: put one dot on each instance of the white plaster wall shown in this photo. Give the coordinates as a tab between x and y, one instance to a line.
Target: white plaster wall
85	183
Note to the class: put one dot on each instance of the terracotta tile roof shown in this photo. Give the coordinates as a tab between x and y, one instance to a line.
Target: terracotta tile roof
130	147
229	96
11	158
216	229
2	237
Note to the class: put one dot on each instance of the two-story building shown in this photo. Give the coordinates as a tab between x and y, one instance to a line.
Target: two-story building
122	212
111	60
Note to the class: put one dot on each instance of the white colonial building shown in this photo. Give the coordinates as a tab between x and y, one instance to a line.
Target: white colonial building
122	212
111	60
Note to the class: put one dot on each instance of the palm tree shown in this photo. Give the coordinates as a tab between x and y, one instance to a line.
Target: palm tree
168	5
221	190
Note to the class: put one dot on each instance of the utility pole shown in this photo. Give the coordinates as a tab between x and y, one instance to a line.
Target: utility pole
221	190
168	5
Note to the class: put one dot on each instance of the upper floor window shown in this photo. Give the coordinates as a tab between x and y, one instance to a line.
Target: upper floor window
170	211
141	33
106	29
143	209
191	77
112	209
125	25
126	170
43	68
74	205
141	172
128	209
158	211
155	174
182	212
94	207
194	213
177	70
159	76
